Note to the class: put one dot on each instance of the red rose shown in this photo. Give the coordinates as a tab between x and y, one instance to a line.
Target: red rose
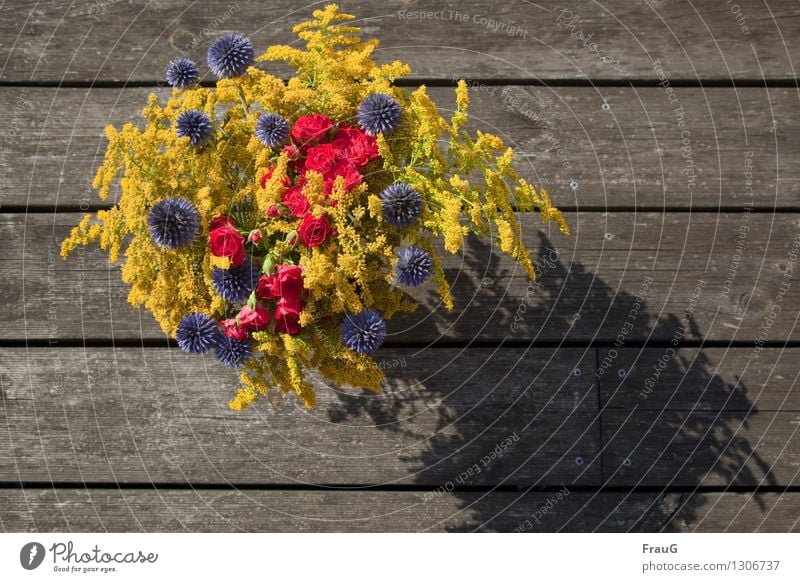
248	320
253	319
289	281
355	145
320	158
291	152
273	211
314	231
347	170
286	283
311	128
295	163
294	200
222	221
287	320
290	305
225	241
266	289
265	178
230	329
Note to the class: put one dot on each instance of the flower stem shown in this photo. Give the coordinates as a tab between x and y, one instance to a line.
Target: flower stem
243	100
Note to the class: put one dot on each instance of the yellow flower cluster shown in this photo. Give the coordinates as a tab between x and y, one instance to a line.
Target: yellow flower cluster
352	272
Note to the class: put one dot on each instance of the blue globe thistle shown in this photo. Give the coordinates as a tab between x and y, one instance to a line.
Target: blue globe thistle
379	113
414	266
230	55
402	204
237	282
272	129
232	352
173	223
197	333
363	332
195	125
182	73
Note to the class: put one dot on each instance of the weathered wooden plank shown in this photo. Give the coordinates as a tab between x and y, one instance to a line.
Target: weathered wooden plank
700	416
692	448
615	39
147	510
157	415
736	512
708	147
640	277
736	380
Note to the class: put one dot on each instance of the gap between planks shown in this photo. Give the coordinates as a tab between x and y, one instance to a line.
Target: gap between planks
786	82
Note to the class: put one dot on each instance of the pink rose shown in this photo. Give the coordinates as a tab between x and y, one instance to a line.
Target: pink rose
253	319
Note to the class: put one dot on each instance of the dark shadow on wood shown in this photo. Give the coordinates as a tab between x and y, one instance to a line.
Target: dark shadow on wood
664	427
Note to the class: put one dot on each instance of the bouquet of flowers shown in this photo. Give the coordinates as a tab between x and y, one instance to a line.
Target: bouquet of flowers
279	223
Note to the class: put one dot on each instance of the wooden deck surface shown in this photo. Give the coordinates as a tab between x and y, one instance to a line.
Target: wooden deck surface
648	382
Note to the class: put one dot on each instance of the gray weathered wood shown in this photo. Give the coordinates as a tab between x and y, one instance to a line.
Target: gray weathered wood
147	510
158	415
631	155
685	448
736	512
695	417
615	39
590	283
712	416
737	380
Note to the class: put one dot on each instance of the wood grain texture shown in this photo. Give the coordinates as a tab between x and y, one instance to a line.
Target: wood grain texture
730	147
427	454
615	39
158	415
77	510
685	276
735	512
164	510
741	380
694	448
700	416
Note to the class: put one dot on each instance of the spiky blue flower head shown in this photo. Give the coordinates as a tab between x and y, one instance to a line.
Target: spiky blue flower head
173	223
402	204
230	55
195	125
363	332
182	73
237	282
232	352
379	113
414	266
197	333
272	129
